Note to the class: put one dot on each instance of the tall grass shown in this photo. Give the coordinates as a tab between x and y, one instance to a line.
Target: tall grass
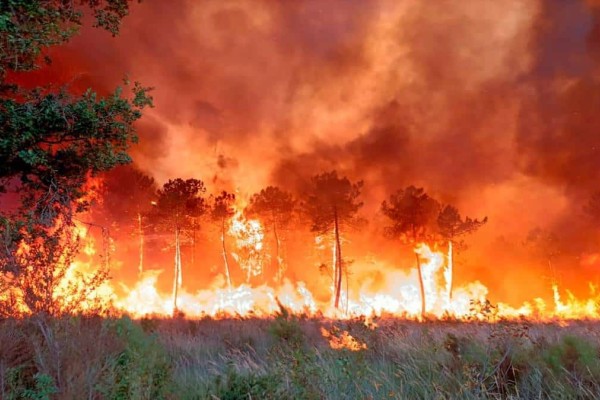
287	358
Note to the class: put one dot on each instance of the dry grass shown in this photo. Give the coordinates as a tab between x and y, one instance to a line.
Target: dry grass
287	357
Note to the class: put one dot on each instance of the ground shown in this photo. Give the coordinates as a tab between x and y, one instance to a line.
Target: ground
290	357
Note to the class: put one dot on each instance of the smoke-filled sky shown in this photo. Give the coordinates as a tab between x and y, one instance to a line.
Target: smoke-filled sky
490	105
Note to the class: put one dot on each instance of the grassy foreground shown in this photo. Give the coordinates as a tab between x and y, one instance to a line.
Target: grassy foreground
288	358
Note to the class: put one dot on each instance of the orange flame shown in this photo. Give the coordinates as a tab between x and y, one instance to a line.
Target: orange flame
342	340
398	296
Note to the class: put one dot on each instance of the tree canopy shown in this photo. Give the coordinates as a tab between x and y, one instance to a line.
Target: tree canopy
451	225
273	205
412	214
178	200
28	27
331	198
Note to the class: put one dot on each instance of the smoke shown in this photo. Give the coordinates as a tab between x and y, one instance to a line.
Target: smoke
491	106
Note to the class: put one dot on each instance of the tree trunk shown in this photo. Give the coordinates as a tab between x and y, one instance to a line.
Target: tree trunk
421	285
177	278
193	245
450	268
552	272
347	289
334	263
141	236
338	278
227	274
277	244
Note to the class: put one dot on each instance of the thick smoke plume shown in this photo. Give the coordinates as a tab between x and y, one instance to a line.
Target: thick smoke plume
489	105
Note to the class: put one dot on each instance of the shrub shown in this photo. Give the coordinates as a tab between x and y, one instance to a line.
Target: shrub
236	386
573	354
19	387
142	370
286	328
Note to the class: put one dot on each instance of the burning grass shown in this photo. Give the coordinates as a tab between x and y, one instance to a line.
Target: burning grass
288	356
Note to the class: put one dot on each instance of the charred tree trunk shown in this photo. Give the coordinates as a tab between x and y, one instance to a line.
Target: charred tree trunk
450	270
420	272
279	274
141	236
224	251
421	285
193	261
338	269
347	289
177	277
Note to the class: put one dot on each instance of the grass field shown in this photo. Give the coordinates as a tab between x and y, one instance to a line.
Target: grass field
289	358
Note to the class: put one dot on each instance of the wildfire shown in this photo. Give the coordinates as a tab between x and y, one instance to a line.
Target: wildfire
399	295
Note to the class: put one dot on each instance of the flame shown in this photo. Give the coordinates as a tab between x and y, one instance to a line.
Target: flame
398	296
342	340
249	236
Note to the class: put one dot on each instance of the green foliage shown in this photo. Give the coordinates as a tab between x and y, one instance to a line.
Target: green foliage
286	328
41	388
60	137
573	354
52	141
236	386
27	27
142	370
450	360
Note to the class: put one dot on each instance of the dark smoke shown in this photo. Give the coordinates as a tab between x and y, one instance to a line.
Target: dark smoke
492	106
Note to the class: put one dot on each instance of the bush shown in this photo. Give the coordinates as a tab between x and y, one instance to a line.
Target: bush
19	387
142	370
239	387
286	328
572	354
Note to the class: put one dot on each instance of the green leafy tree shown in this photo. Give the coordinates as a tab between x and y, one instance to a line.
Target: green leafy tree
413	215
274	207
451	226
222	210
178	203
330	203
52	141
29	27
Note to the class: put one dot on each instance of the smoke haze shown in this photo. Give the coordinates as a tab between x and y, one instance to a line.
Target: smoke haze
491	106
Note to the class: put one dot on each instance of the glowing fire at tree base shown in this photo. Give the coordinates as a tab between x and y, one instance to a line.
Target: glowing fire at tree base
399	297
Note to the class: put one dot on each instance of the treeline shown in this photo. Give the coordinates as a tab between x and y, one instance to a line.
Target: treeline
329	205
